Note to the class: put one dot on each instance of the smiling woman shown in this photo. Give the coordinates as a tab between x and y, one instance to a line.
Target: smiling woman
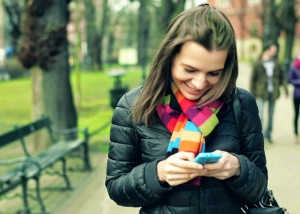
186	108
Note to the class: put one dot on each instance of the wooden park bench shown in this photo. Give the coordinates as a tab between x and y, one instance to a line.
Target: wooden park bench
25	163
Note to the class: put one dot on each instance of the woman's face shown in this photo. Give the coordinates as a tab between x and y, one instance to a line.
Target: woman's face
196	70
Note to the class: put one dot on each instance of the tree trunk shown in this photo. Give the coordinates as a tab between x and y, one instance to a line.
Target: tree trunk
287	17
271	24
143	36
169	9
110	48
37	104
44	44
95	51
57	93
90	31
102	29
95	34
14	12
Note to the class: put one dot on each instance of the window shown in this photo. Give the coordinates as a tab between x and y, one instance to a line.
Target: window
223	3
254	2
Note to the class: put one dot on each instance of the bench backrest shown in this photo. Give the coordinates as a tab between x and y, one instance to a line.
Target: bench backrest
20	132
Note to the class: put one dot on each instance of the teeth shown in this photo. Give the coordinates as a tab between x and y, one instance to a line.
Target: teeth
195	90
192	89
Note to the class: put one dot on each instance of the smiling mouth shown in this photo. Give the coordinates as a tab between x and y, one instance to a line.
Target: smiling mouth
192	90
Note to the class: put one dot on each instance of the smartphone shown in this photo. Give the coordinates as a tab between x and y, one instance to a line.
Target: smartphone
207	157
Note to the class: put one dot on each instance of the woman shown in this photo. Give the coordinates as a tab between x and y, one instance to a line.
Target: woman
294	79
184	108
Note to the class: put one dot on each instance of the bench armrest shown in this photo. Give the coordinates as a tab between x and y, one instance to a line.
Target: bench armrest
23	160
30	161
12	161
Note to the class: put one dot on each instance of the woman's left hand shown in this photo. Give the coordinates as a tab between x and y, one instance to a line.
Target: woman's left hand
226	167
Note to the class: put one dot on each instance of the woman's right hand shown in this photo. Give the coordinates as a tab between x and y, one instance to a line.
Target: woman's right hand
179	168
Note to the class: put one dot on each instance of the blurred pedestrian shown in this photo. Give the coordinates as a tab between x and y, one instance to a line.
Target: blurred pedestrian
266	79
294	79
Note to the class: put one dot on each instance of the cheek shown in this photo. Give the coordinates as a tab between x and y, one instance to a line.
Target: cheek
177	73
213	80
173	71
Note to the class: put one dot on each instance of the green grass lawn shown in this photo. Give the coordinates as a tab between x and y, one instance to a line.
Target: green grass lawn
94	110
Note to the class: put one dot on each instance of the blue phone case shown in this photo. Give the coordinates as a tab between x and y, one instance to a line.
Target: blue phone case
208	157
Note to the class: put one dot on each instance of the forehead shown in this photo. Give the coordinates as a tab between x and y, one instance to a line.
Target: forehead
195	55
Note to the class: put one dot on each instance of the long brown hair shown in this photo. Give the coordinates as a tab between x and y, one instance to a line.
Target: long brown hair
204	25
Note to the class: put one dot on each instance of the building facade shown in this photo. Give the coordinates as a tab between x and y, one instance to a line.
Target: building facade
246	19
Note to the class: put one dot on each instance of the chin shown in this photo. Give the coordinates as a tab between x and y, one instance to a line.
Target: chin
192	97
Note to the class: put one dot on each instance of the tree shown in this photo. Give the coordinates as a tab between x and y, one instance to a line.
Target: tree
143	36
271	24
76	9
287	18
122	18
94	33
44	44
99	37
13	8
169	9
90	18
280	17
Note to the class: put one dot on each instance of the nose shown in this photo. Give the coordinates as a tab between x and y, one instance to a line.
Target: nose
199	82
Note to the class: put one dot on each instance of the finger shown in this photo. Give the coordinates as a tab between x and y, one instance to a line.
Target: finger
212	166
174	177
185	160
177	169
219	174
177	182
185	155
174	181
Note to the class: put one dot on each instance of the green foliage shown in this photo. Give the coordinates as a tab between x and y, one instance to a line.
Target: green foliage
94	112
15	102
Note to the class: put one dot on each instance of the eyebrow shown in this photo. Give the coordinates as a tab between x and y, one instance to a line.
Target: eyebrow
218	70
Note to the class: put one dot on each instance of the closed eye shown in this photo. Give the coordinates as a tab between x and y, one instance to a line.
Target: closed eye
216	73
189	70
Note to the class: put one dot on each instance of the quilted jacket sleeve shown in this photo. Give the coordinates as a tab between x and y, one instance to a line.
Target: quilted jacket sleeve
129	181
252	182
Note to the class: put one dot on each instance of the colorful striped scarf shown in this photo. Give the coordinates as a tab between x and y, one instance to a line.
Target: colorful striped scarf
189	127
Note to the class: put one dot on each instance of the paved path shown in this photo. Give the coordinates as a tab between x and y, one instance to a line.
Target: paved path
89	194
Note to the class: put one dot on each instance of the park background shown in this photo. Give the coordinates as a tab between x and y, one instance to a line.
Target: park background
73	52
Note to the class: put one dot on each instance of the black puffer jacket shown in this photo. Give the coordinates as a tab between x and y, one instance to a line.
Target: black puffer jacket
135	150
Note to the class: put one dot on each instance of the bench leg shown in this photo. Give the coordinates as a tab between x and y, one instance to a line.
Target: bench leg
86	157
25	209
38	194
65	175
